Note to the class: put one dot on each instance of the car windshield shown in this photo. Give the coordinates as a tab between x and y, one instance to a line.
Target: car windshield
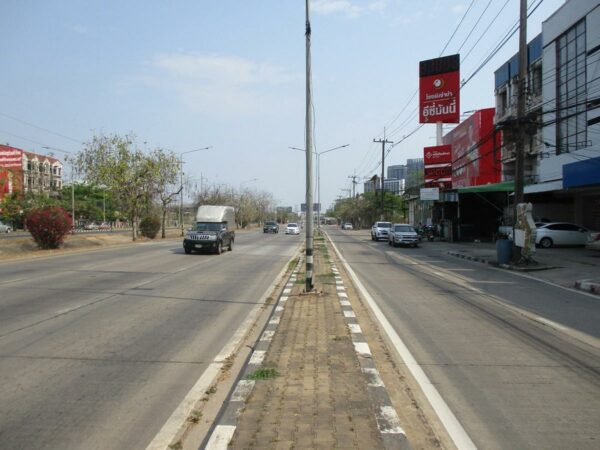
403	228
292	225
384	224
270	223
208	226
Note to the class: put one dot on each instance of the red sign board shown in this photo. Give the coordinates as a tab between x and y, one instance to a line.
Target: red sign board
475	150
439	90
438	166
10	157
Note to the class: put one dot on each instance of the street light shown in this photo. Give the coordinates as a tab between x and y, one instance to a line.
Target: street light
72	182
241	205
319	177
181	180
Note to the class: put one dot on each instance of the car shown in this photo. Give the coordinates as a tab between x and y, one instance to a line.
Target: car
5	228
560	233
270	227
104	226
347	226
380	230
292	228
593	242
92	226
403	234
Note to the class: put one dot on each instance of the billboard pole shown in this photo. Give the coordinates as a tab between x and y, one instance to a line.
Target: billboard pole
383	142
309	151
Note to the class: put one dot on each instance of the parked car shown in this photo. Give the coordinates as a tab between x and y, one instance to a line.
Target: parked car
380	230
270	227
104	226
92	226
5	228
347	226
561	233
593	242
403	234
292	228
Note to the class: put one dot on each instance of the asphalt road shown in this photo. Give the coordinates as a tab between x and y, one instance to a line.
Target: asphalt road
97	349
517	360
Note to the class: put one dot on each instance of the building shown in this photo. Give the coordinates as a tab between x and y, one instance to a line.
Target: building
396	172
22	171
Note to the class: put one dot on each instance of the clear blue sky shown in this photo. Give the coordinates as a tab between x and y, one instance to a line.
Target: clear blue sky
230	74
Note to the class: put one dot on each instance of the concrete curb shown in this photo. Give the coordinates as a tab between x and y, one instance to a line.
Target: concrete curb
225	428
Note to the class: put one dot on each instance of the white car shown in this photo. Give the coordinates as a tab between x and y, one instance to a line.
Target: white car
403	234
292	228
347	226
4	228
380	230
561	233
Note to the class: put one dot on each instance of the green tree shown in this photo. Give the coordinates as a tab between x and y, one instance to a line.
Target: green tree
164	165
119	164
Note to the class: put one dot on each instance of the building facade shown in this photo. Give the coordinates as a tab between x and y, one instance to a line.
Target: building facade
22	172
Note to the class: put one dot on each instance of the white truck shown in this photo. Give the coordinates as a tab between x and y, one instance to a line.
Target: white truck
214	230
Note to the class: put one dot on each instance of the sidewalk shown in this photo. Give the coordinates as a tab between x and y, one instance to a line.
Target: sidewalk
571	267
311	381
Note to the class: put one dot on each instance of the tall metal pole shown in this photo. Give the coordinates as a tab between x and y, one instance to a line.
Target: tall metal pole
383	142
73	193
520	147
309	152
181	192
319	191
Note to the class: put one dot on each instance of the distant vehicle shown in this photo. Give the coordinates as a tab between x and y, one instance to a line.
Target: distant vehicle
347	226
91	226
5	228
380	230
104	226
403	234
292	228
561	233
593	242
214	230
271	227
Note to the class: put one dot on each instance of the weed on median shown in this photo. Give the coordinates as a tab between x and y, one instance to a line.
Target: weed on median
264	373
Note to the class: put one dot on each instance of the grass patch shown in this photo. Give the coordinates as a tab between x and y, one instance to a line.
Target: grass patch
292	264
195	416
176	446
211	390
264	373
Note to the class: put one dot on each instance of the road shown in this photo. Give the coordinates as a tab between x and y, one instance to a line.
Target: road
516	360
97	349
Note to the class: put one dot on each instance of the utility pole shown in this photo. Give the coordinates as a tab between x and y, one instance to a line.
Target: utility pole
521	108
354	182
309	155
383	142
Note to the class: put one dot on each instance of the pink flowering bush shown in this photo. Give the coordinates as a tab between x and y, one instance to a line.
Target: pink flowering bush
48	225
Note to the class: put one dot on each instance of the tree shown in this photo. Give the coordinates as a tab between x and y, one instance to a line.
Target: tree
164	168
117	163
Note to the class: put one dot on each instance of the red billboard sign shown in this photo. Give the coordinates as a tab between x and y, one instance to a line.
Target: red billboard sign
439	90
437	169
10	157
476	150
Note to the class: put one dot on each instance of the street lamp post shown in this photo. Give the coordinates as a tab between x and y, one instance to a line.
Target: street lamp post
181	182
318	154
241	204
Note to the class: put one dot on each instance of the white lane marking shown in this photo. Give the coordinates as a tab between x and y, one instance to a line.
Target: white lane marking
354	328
258	356
274	321
220	438
344	303
287	291
362	348
283	299
454	428
340	288
373	377
391	422
242	390
267	335
185	408
349	314
342	295
278	308
550	323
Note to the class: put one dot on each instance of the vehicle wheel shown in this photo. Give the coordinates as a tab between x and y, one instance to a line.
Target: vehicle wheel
219	249
372	237
187	250
546	242
395	244
415	245
230	248
389	242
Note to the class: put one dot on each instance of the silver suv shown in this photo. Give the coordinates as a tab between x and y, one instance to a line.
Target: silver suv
4	228
380	230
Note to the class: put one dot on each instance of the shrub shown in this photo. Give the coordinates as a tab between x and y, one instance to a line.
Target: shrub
149	227
48	225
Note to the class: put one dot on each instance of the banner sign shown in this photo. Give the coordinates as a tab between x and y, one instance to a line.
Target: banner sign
430	194
437	168
10	157
439	90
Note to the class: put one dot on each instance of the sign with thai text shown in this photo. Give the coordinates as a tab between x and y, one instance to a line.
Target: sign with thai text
439	90
437	168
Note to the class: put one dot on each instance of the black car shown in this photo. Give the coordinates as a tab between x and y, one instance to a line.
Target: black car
271	227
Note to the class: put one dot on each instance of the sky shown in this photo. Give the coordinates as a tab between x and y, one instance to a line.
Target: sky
230	74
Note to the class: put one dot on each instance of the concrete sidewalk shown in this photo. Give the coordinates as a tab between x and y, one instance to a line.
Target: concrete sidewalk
577	268
311	381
